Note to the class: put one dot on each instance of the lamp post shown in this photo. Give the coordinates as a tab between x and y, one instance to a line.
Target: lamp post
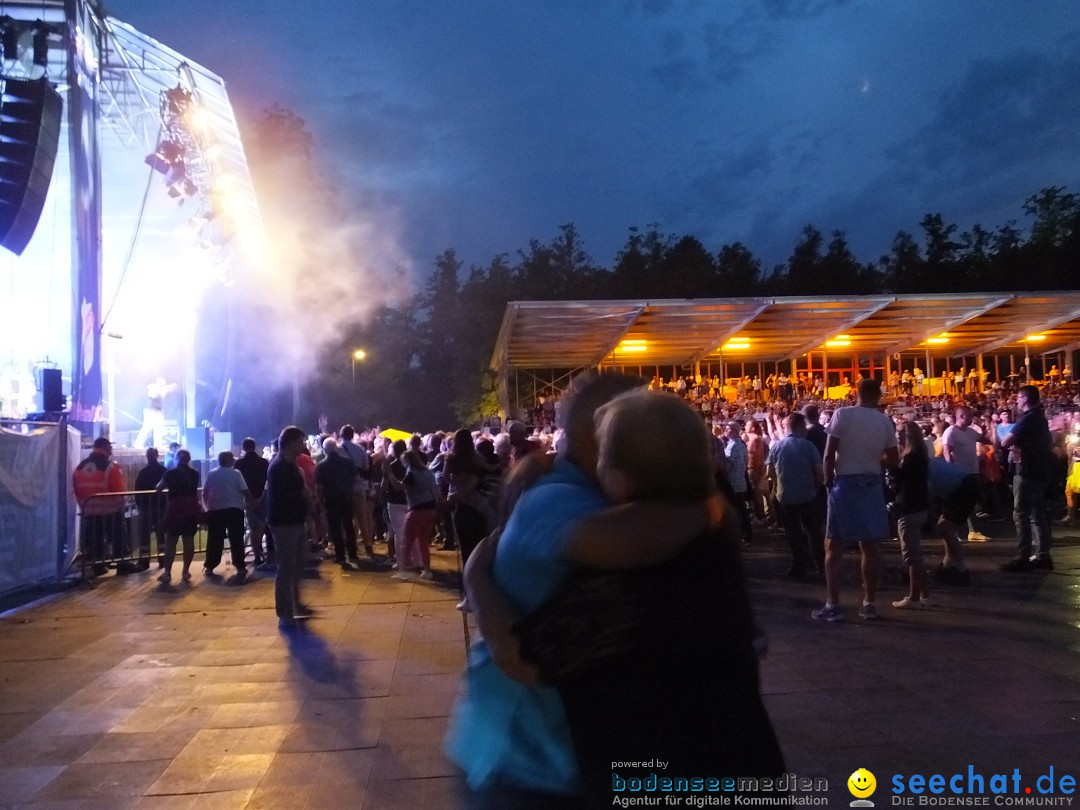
358	354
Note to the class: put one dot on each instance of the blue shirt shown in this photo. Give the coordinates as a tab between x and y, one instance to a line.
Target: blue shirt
502	732
794	460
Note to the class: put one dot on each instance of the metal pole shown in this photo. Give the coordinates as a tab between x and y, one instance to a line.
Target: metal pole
63	480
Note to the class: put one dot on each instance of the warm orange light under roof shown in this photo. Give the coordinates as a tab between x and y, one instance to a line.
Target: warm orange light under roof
737	343
838	342
937	340
633	348
634	342
1035	338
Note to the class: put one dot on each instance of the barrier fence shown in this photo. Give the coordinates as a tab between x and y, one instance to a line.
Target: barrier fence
122	530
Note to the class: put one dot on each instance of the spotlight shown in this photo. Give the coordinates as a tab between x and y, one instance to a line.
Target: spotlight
9	36
41	44
175	103
166	154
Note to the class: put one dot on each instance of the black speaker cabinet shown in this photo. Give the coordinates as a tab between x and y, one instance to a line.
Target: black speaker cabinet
52	391
30	114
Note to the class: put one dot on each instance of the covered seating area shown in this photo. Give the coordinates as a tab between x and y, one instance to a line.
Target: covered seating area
542	344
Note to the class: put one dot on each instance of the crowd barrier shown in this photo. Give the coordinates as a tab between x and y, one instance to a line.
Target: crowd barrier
122	530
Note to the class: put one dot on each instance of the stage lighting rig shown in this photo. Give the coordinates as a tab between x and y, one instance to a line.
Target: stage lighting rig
9	37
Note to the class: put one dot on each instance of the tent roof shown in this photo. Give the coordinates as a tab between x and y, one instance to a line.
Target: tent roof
571	334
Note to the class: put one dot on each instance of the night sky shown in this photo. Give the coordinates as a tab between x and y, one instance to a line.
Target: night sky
481	125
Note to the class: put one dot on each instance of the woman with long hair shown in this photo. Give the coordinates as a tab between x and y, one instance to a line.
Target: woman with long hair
912	501
464	471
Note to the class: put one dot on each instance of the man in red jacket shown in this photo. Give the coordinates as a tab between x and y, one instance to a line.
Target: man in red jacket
102	517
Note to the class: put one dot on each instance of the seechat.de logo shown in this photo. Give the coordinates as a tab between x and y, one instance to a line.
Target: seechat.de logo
862	785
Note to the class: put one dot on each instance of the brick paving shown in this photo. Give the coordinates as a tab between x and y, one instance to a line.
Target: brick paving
126	696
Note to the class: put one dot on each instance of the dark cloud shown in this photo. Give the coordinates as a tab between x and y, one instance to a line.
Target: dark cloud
1005	131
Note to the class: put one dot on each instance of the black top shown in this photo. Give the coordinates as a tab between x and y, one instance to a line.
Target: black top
150	476
393	494
180	481
816	435
336	474
253	467
913	484
286	500
1036	446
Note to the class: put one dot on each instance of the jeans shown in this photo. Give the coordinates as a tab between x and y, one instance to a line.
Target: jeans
1031	518
804	526
289	547
339	521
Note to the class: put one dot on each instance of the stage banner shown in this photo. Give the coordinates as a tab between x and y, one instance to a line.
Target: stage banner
84	84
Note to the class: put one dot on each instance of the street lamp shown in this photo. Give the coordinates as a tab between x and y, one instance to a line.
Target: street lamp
358	354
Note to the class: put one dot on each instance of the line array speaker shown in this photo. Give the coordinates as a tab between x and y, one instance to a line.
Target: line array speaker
30	112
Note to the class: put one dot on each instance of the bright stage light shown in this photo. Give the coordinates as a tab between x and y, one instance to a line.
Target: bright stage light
1035	338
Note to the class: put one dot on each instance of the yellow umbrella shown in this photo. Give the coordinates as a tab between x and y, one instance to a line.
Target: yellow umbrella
393	434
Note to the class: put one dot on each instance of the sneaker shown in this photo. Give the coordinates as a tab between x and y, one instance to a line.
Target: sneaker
185	577
907	603
1043	563
239	578
977	537
1017	566
828	613
428	576
925	601
868	613
164	578
404	576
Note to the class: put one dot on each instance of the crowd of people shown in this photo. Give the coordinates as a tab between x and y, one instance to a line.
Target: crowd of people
602	553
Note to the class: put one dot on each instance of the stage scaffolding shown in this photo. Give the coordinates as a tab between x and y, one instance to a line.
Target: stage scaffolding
145	247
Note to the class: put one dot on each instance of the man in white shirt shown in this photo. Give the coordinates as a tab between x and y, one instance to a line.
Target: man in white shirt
225	494
960	446
860	438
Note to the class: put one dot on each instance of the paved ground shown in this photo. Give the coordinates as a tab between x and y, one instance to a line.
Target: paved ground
124	696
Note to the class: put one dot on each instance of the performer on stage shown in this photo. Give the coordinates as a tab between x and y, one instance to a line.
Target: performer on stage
153	426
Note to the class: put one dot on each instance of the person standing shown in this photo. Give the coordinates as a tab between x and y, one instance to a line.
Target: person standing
335	481
736	454
960	446
151	505
153	426
363	510
225	495
102	518
1030	439
253	467
288	509
183	511
860	438
795	472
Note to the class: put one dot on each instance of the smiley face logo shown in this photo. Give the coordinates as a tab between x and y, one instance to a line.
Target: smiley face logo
862	783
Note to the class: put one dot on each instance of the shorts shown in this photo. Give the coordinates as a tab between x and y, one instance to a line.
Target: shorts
857	511
910	527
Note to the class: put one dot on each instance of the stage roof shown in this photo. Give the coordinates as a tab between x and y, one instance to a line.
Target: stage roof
572	334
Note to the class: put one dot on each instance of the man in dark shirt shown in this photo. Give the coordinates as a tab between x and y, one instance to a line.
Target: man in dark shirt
287	511
253	467
335	480
1031	437
151	506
